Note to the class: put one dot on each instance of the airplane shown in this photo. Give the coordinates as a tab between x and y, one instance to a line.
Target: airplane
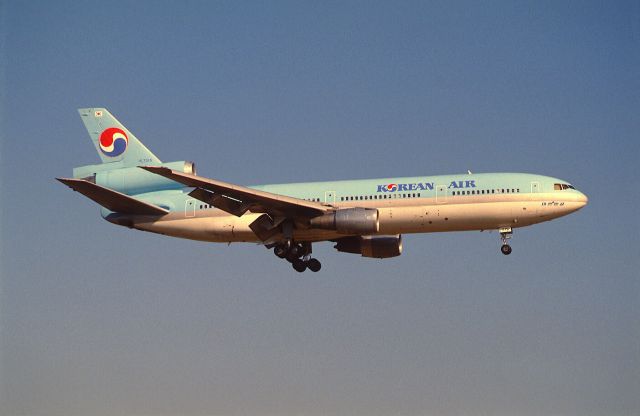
367	217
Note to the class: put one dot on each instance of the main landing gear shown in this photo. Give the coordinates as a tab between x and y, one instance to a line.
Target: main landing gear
505	234
299	255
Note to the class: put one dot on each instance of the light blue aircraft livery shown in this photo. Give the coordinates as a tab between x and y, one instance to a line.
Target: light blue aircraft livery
367	217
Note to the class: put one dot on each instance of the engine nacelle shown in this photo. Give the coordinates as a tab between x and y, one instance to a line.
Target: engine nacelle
349	221
377	246
134	180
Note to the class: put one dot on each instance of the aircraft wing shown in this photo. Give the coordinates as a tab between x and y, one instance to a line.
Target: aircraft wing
112	200
237	200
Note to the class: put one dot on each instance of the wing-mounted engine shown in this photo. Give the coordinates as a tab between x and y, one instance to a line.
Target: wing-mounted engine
376	246
349	221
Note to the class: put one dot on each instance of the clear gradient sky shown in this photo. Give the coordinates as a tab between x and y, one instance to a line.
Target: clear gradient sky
101	320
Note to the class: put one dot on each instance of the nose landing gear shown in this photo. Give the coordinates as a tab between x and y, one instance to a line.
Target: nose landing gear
505	234
299	255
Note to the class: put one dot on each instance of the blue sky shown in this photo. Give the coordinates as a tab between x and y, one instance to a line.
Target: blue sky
98	319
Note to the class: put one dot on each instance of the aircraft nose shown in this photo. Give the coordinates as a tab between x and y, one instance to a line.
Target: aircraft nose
582	199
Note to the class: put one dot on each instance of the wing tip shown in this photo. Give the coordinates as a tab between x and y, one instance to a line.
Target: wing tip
68	181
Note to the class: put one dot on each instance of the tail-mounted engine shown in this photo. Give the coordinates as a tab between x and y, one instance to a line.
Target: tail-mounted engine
132	180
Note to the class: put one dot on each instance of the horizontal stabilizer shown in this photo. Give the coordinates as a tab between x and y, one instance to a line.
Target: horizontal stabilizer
112	200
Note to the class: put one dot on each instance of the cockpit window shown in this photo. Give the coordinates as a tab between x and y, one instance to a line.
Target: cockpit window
562	186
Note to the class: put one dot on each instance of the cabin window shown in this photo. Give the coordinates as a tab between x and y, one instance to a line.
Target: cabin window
557	187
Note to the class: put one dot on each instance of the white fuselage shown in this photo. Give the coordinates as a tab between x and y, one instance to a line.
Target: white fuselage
396	216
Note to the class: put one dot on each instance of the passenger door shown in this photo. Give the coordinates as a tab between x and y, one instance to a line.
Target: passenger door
190	208
330	197
441	194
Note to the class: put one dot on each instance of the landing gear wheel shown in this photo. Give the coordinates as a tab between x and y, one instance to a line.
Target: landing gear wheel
296	251
280	251
505	234
314	265
299	265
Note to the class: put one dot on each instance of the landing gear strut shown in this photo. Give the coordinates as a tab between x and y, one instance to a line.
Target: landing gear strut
505	234
299	255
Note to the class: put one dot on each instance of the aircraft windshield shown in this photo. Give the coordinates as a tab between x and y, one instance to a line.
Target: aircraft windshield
562	186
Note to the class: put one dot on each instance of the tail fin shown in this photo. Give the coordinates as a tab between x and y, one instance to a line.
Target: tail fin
113	141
